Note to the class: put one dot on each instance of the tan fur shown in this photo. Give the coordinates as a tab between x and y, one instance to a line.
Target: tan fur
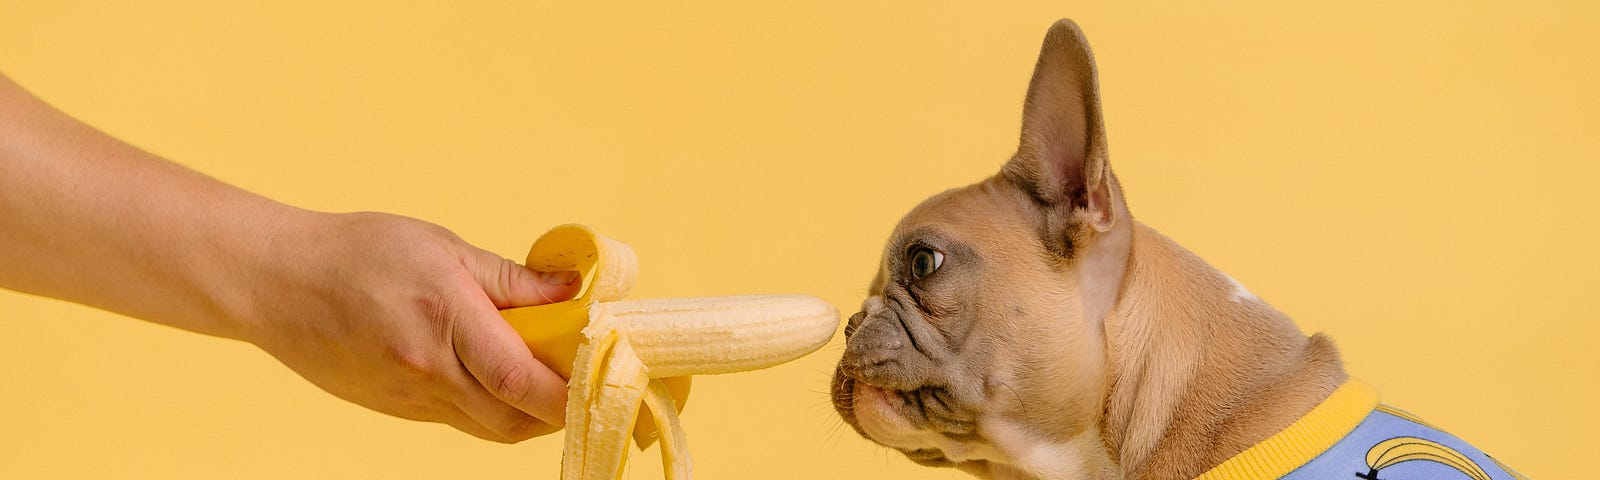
1197	377
1062	339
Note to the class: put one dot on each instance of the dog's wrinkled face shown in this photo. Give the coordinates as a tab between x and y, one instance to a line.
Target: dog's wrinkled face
971	330
981	342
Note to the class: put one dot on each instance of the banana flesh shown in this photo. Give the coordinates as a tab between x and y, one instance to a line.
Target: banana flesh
730	334
620	355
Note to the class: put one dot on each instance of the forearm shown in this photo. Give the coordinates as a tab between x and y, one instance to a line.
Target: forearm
89	219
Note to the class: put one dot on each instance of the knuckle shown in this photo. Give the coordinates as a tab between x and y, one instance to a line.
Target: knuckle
442	314
509	270
510	382
435	306
481	433
523	427
542	429
510	275
414	363
403	230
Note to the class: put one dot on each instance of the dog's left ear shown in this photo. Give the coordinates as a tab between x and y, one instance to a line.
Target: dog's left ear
1062	157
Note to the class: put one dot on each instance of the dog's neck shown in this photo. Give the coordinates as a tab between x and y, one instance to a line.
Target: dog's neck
1200	368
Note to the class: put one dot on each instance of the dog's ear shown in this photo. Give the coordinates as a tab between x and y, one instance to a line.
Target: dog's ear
1062	157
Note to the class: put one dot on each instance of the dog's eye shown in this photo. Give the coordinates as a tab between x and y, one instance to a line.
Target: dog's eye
925	261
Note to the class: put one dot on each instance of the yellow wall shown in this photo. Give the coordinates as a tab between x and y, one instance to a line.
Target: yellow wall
1418	181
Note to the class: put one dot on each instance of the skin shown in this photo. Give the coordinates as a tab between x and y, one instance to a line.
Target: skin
392	313
1059	338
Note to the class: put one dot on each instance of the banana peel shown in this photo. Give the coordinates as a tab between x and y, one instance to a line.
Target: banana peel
628	362
553	331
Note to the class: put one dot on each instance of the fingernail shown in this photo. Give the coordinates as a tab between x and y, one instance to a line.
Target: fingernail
560	279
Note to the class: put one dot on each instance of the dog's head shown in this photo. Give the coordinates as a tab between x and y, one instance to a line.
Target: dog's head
981	344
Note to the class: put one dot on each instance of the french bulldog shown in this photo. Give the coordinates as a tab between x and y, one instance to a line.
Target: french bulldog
1028	327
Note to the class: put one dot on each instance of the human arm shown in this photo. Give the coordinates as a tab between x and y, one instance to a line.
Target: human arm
389	312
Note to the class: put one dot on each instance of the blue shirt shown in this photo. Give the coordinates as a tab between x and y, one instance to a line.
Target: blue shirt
1349	436
1389	446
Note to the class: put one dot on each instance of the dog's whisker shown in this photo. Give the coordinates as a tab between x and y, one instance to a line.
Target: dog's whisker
836	434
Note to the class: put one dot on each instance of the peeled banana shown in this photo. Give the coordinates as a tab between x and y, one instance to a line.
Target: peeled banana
619	355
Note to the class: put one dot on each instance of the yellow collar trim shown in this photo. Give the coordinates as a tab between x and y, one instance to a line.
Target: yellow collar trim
1303	440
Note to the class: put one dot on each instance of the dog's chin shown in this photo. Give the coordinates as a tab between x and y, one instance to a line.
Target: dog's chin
878	417
883	416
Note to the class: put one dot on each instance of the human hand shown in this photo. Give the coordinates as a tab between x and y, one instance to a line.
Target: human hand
400	316
389	312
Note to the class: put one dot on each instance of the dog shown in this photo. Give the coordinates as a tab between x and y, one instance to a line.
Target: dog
1028	327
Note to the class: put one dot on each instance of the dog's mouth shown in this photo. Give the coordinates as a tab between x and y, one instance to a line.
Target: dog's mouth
891	417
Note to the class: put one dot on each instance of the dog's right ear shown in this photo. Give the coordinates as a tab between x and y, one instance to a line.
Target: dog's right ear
1062	158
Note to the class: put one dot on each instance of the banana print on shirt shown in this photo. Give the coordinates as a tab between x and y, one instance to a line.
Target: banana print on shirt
1351	436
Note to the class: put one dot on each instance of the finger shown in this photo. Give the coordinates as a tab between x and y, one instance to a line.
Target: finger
465	423
504	420
511	285
496	356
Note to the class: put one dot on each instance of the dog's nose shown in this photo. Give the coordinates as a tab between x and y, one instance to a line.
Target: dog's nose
879	353
854	323
871	341
874	333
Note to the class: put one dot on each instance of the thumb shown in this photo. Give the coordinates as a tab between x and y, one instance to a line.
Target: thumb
509	284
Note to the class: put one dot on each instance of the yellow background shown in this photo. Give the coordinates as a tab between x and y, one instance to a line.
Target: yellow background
1417	180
